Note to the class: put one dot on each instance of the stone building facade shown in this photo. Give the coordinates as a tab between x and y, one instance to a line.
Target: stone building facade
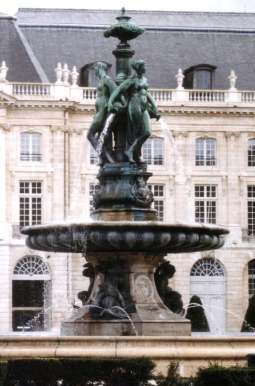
202	155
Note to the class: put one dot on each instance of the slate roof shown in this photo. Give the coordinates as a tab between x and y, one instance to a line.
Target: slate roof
158	19
17	53
172	40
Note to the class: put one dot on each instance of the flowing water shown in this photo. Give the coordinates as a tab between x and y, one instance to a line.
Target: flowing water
104	133
212	317
110	310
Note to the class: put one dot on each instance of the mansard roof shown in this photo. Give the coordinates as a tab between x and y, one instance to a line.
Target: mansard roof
154	19
16	52
172	40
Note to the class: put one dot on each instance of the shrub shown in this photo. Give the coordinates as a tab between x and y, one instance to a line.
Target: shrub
173	377
82	372
221	376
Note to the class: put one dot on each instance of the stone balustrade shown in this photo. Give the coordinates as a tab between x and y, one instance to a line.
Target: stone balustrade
207	95
41	90
66	88
87	95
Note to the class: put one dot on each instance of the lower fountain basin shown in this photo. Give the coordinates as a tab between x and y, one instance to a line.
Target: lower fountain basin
140	236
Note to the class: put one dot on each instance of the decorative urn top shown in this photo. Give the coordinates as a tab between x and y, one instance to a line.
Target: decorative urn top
124	29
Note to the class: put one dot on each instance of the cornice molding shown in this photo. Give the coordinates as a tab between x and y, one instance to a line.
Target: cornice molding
170	110
5	127
207	111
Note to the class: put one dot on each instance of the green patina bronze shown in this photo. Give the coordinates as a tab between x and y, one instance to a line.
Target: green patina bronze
140	108
130	103
124	30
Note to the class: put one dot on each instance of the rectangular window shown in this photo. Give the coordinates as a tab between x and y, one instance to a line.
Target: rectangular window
153	151
205	152
28	311
251	277
92	190
158	191
251	209
251	152
205	203
30	149
30	203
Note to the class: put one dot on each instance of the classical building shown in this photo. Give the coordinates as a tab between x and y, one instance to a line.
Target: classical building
202	152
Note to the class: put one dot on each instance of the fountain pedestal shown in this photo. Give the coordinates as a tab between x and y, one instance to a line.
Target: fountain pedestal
125	244
124	287
123	193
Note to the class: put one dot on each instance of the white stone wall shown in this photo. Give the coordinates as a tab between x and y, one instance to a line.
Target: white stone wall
65	173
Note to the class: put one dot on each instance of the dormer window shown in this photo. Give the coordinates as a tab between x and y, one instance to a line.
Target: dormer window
87	75
199	77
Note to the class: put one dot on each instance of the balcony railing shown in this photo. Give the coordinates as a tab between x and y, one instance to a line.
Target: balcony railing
248	96
207	95
31	89
87	95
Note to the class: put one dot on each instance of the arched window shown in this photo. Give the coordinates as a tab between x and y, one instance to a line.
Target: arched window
205	152
153	151
207	267
251	277
30	146
251	152
199	77
88	76
31	301
207	281
31	265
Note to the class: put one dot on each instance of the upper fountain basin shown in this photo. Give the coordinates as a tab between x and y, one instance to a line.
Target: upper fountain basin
102	236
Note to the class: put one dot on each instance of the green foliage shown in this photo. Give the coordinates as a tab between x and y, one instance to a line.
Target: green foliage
3	372
221	376
173	377
197	315
82	372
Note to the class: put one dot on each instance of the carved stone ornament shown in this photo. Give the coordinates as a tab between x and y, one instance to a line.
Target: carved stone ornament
141	192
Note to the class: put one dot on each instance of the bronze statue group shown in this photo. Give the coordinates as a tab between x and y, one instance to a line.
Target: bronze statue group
122	121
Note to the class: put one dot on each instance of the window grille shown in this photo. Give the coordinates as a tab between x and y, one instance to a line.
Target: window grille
31	265
205	203
30	203
31	295
153	150
30	149
93	187
207	267
251	277
158	191
205	152
251	209
251	152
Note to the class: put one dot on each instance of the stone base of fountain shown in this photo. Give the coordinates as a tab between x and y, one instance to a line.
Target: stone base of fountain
179	327
124	300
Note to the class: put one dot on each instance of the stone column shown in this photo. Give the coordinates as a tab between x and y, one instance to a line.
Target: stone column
5	274
76	208
58	165
2	182
180	177
233	170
